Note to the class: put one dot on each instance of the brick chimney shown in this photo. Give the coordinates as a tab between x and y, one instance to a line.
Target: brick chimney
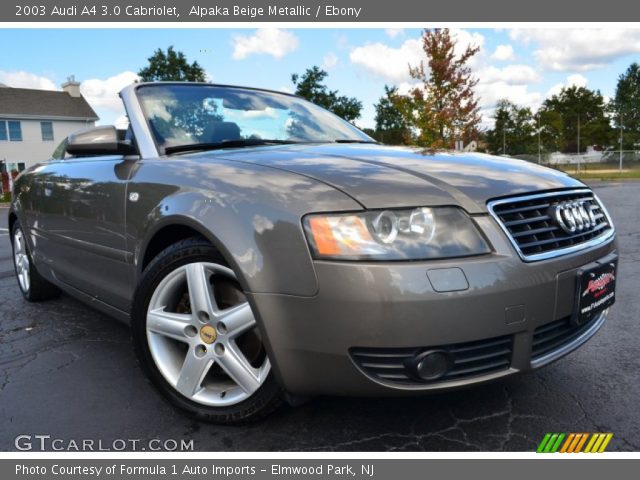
71	86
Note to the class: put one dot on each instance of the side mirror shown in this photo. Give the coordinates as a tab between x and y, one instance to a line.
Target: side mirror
99	141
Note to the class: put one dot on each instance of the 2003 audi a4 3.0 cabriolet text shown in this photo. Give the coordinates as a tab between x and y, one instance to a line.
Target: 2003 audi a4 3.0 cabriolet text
262	249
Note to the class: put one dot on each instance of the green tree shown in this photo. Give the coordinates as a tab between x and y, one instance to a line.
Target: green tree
171	66
551	130
584	120
310	85
391	126
514	131
189	116
444	108
626	107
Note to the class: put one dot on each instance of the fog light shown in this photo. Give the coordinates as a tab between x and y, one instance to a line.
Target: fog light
432	365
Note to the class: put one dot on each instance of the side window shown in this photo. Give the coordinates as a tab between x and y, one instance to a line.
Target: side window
3	131
46	128
60	151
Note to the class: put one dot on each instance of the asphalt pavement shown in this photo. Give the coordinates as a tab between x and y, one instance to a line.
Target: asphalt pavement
69	372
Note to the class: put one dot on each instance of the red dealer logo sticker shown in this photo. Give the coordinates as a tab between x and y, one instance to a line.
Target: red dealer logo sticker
595	286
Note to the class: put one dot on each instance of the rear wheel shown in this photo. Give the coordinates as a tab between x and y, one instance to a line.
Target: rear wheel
33	286
197	339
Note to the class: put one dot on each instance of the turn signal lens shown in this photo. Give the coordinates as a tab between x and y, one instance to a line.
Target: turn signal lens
341	236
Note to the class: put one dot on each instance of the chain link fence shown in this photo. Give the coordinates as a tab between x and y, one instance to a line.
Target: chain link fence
613	160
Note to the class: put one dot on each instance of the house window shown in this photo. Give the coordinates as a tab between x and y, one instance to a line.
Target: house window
47	131
10	130
15	131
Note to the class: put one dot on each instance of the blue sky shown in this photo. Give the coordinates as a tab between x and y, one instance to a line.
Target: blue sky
524	65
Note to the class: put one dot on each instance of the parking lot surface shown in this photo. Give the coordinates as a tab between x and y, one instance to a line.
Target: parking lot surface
69	372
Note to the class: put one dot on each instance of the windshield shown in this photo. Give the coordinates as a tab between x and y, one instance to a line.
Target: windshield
201	115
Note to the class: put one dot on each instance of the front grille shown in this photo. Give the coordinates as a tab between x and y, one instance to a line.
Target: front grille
552	336
530	223
482	357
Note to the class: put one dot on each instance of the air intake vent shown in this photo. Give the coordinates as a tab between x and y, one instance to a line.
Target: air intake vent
553	336
551	224
482	357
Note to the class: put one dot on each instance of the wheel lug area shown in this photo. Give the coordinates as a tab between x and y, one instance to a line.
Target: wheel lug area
221	328
203	317
219	349
201	351
190	331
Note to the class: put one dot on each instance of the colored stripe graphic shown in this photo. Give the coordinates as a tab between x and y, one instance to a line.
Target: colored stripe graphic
592	441
556	445
543	443
582	441
567	442
574	443
606	442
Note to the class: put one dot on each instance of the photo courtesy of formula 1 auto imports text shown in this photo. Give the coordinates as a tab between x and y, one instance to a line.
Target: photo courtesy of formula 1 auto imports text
283	240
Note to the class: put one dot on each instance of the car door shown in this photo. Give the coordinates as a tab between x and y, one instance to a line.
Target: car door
79	225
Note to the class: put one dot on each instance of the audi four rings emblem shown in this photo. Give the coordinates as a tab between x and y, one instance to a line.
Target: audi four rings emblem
575	216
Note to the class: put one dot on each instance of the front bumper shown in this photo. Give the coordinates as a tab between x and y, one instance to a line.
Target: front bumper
376	306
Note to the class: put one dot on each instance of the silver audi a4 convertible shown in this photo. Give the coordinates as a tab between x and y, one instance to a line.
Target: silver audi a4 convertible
264	250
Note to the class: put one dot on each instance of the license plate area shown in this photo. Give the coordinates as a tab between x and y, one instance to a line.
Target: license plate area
596	290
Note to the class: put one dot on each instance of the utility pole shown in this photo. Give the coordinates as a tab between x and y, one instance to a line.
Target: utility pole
620	142
578	142
539	146
504	141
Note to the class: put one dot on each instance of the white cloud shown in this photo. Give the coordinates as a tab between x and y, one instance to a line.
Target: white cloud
104	93
579	49
121	122
330	60
404	88
503	53
394	32
576	80
268	41
511	74
490	93
391	64
22	79
465	38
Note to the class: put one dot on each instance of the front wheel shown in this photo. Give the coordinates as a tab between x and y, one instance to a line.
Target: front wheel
196	337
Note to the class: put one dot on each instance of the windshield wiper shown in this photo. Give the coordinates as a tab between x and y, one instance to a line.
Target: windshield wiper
245	142
348	140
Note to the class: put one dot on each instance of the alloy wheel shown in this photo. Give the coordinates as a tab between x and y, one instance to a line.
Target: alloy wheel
21	260
203	336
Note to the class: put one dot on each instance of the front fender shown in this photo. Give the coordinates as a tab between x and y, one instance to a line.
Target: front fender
251	213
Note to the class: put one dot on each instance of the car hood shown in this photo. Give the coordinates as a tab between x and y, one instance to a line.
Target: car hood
390	177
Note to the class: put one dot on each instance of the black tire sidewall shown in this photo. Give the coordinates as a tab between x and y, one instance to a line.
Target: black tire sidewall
262	402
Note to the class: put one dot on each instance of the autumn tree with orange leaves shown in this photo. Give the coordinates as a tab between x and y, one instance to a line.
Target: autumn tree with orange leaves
444	108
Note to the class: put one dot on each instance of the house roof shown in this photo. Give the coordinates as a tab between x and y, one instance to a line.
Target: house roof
24	102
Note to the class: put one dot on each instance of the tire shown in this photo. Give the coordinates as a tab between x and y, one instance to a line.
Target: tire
208	360
33	286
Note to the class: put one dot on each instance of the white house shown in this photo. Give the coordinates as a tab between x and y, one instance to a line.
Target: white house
34	122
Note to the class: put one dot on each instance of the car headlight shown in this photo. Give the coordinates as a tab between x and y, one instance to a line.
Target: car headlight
412	234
